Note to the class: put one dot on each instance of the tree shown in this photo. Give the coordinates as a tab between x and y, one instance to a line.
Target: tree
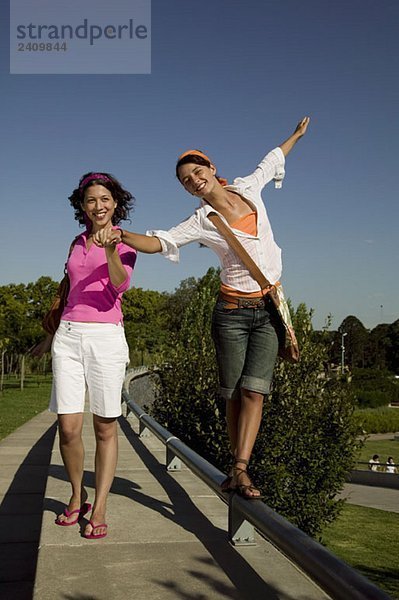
177	302
374	387
393	347
145	322
3	349
355	341
378	347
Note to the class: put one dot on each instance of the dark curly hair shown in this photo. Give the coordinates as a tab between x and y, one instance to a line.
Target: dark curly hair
123	198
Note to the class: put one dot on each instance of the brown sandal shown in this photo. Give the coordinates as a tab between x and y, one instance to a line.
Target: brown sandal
226	486
242	489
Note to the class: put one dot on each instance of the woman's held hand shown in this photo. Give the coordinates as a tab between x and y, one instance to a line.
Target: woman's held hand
107	237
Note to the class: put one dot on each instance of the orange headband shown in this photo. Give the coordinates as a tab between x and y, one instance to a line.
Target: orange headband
221	180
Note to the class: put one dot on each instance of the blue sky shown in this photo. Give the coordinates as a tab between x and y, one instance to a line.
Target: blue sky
233	79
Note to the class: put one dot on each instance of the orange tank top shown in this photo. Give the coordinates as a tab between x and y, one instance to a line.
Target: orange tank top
247	224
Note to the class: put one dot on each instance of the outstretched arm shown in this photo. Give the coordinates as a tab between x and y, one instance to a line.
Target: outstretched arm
300	130
143	243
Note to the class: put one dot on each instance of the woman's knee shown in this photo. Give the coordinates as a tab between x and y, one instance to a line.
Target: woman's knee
251	396
104	428
70	428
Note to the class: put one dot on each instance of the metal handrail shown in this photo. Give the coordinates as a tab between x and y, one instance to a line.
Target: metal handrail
333	575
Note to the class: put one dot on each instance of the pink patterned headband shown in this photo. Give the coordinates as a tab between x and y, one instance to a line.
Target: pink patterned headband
93	176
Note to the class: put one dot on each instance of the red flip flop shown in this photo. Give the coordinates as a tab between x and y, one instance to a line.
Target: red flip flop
92	536
85	508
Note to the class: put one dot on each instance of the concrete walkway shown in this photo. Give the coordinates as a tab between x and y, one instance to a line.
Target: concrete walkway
371	497
167	532
383	436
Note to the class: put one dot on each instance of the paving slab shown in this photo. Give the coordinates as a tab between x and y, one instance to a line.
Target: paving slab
167	538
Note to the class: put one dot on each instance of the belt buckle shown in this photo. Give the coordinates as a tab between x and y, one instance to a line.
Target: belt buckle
251	302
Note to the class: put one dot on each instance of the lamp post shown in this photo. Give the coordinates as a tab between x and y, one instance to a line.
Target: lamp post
343	352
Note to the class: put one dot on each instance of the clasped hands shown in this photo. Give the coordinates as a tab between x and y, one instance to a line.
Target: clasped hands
104	238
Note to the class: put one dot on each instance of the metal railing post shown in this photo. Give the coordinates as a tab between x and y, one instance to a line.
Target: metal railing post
241	532
173	462
144	432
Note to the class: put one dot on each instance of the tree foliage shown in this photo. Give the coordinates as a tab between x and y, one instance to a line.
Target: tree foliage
152	317
355	342
375	349
21	310
374	387
145	322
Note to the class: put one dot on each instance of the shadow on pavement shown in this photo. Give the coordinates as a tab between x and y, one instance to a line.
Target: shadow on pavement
21	513
181	510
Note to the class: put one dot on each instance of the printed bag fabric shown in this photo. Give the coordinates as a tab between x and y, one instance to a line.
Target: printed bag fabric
288	345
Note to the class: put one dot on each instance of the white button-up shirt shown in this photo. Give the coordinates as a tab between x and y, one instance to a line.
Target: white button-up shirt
262	247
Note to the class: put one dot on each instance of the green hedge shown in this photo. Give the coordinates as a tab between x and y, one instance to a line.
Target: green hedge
372	399
374	387
378	420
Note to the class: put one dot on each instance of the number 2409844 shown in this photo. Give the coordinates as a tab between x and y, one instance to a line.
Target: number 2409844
42	47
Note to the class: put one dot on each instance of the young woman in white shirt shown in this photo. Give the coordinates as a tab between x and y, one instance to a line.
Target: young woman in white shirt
242	323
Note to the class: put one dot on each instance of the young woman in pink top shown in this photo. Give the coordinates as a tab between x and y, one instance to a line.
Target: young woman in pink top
243	321
89	349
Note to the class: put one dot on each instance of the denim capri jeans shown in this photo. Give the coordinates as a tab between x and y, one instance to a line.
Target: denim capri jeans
246	345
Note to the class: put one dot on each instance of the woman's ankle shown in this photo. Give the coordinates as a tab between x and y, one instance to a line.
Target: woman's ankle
78	497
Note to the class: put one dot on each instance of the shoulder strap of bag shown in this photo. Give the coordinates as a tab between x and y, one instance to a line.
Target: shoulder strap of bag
239	249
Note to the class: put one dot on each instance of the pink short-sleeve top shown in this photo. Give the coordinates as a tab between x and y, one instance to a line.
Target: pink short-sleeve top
92	296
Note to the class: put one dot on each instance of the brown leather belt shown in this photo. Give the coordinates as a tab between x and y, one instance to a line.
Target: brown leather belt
242	302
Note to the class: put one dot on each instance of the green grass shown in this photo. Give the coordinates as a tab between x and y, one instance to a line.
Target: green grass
17	407
383	448
367	539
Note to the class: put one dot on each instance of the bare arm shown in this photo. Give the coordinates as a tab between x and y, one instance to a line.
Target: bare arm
116	270
300	130
42	347
143	243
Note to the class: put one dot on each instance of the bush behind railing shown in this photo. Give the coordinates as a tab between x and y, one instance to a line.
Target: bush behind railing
308	439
